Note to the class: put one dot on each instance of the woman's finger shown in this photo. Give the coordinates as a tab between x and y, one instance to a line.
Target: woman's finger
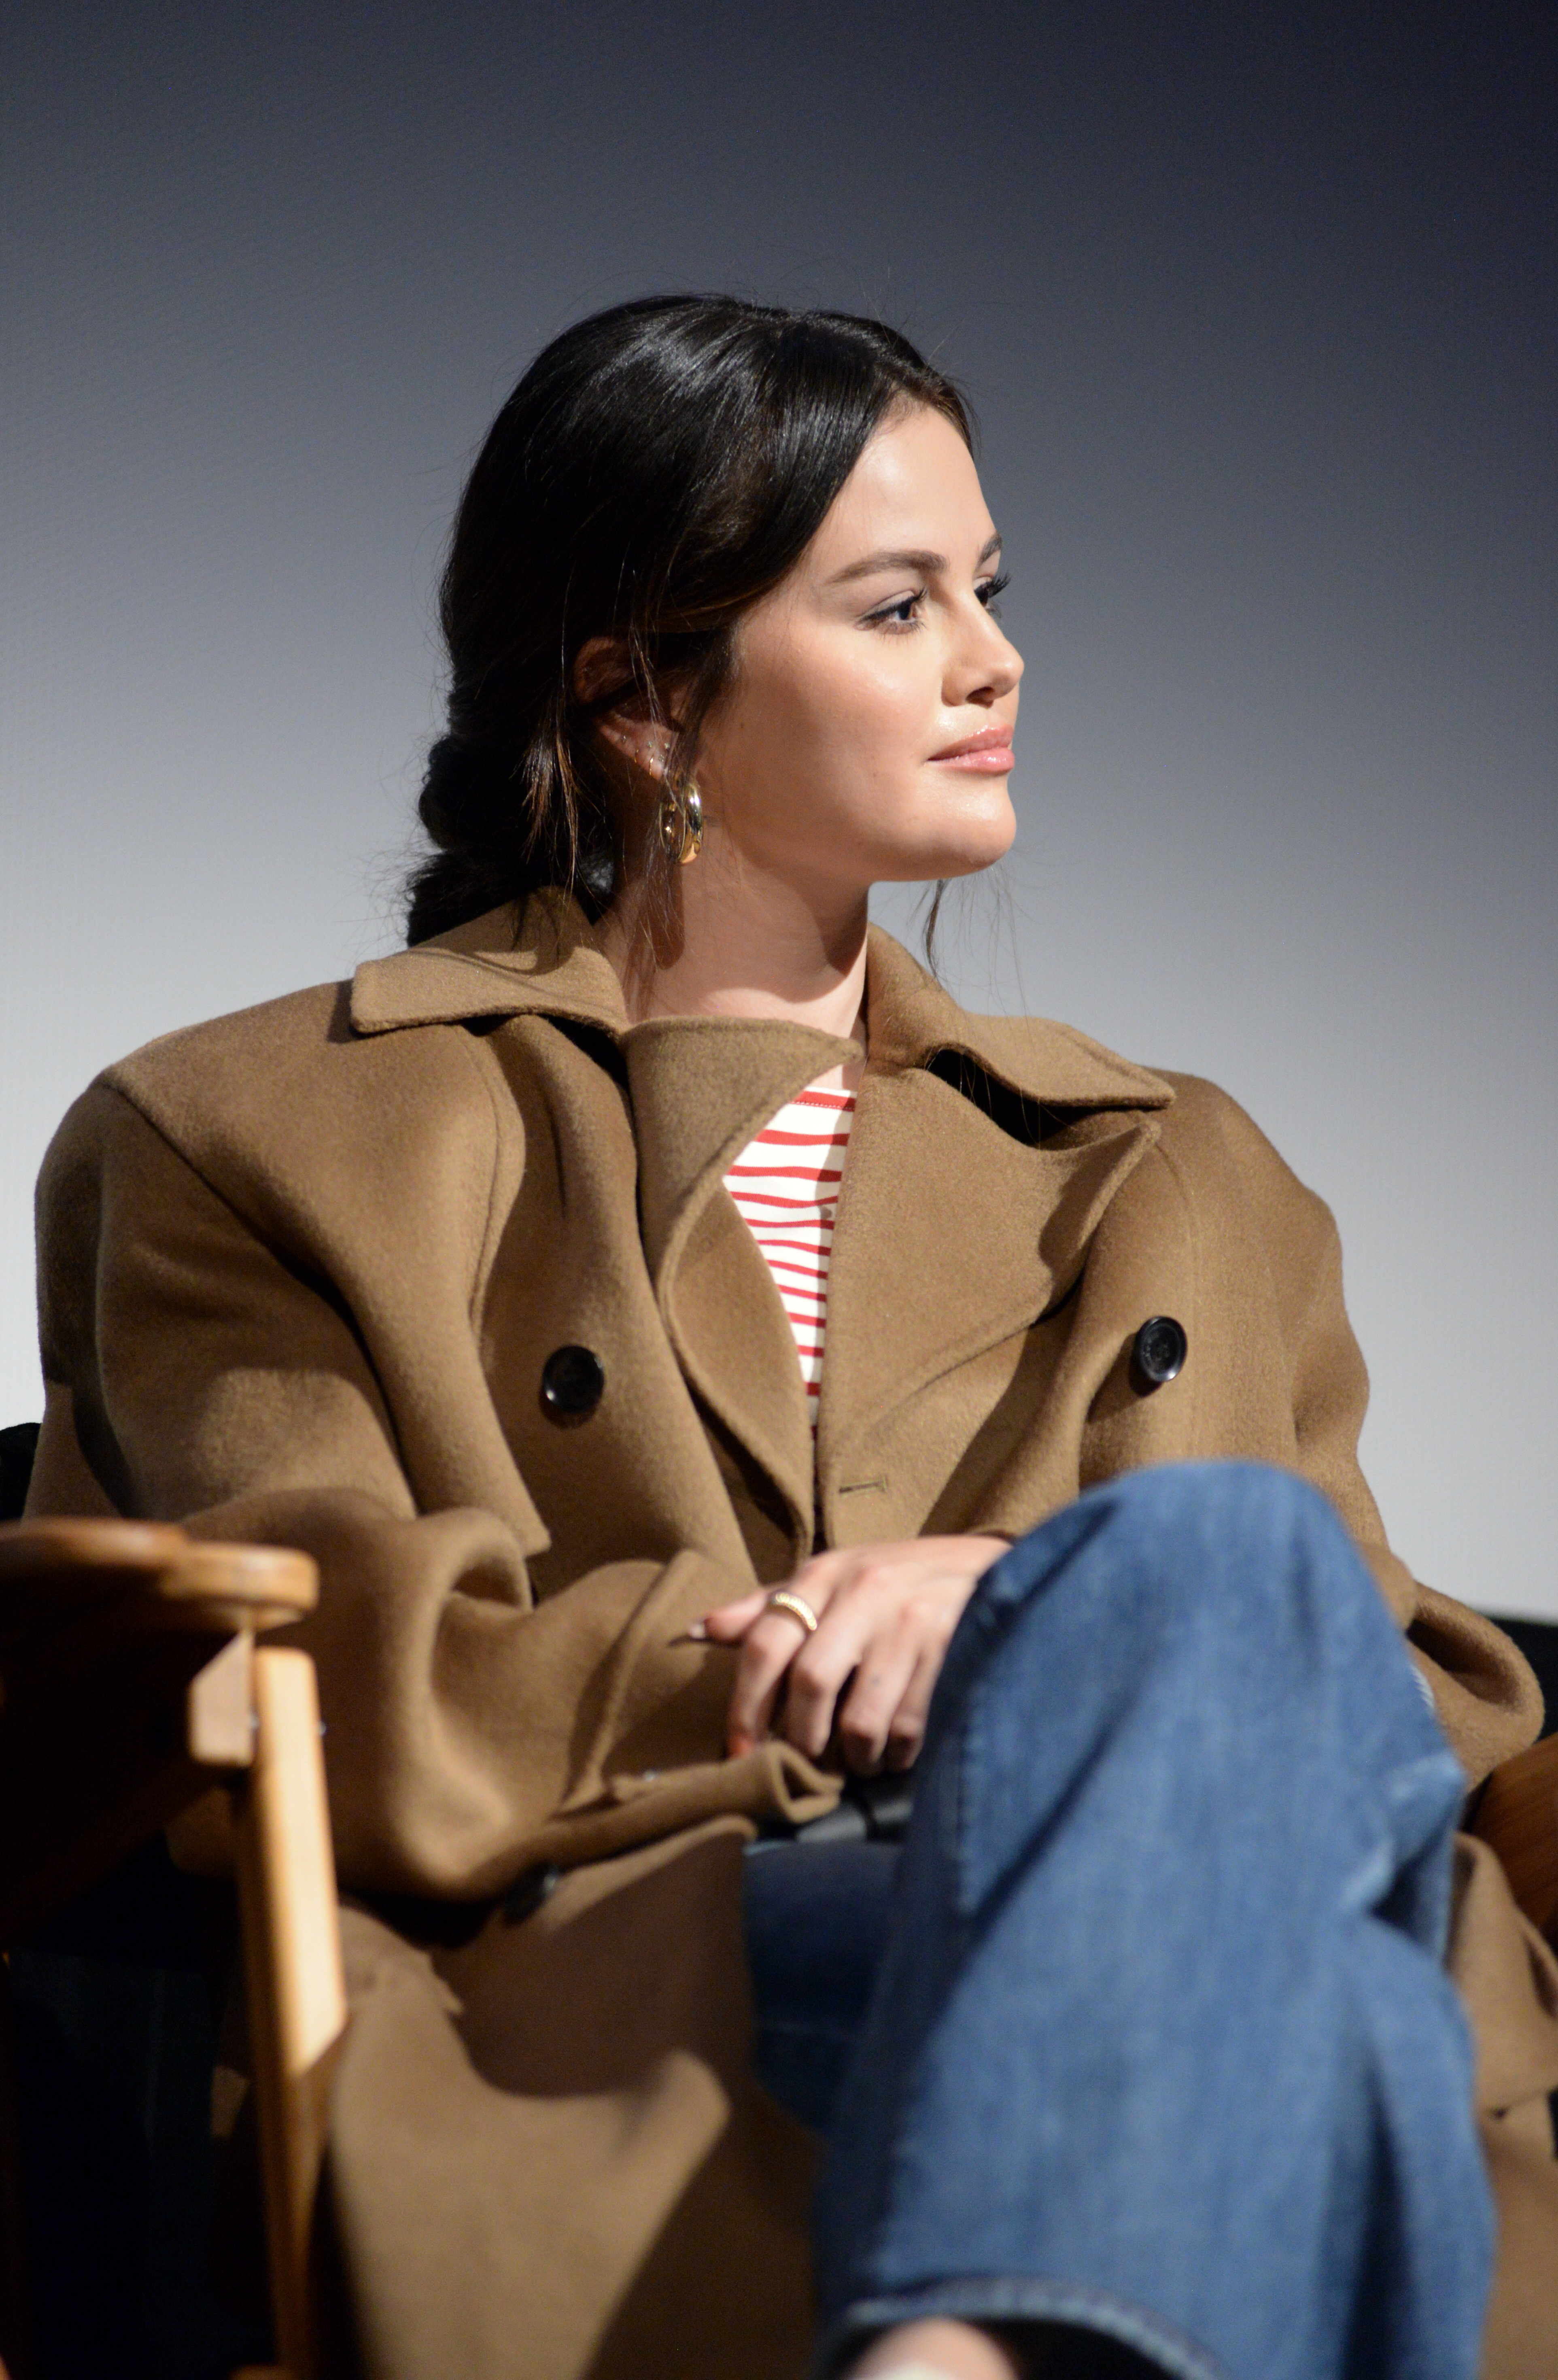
869	1709
772	1643
730	1623
814	1582
900	1602
819	1672
906	1729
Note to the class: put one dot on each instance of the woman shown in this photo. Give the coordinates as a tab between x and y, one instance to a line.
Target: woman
683	1336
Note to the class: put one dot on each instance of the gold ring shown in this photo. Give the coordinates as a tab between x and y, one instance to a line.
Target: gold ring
794	1606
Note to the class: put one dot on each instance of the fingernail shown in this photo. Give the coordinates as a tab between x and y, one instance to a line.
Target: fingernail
696	1631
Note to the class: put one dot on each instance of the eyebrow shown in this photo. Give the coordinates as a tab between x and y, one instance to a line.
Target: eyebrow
924	565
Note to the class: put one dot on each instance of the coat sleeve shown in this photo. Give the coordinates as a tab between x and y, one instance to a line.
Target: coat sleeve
194	1373
1487	1697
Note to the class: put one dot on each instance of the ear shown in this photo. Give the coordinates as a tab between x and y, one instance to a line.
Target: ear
622	713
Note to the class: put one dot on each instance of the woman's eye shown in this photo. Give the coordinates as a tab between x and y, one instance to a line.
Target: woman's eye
989	589
896	615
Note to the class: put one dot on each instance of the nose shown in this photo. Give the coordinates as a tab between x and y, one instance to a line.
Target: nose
987	664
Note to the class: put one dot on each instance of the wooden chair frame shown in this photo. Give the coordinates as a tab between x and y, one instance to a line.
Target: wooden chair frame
132	1685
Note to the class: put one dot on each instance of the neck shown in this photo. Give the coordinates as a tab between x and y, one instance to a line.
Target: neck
741	942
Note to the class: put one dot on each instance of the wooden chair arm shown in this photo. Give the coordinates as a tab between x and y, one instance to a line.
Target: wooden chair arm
51	1568
132	1547
124	1688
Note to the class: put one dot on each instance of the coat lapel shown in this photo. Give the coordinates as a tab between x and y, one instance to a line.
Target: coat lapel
955	1231
700	1090
951	1237
984	1151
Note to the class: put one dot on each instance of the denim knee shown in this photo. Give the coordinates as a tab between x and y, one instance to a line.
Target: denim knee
1222	1604
1251	1516
1241	1549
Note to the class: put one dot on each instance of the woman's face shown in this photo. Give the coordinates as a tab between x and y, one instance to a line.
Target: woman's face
866	735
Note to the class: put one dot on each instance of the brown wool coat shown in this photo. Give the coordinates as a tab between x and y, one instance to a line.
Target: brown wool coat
300	1272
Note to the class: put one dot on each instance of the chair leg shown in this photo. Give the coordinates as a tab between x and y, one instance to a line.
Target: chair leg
291	1964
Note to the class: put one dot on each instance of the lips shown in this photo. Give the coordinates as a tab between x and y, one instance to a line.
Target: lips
990	748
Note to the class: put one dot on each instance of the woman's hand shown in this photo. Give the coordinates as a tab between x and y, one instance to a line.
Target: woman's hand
885	1618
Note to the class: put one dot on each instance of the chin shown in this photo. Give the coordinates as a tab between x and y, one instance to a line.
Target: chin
938	867
963	845
969	853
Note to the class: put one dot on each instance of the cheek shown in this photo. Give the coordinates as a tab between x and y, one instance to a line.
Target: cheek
865	712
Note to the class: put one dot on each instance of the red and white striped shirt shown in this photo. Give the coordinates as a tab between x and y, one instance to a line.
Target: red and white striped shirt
786	1184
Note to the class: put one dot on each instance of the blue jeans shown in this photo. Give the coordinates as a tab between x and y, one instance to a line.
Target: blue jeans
1146	2033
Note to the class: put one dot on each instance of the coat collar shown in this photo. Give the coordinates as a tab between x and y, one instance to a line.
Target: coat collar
909	1297
541	960
546	961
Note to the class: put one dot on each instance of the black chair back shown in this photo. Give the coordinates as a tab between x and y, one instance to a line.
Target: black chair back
17	1446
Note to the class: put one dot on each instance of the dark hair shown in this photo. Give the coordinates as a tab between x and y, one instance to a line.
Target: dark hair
658	469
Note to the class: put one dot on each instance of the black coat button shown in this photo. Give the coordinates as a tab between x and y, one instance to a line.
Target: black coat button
572	1382
1159	1353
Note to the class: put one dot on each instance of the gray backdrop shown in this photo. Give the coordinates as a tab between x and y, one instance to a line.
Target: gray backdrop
1257	308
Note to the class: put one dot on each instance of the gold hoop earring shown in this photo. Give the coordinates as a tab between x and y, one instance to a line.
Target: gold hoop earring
680	823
